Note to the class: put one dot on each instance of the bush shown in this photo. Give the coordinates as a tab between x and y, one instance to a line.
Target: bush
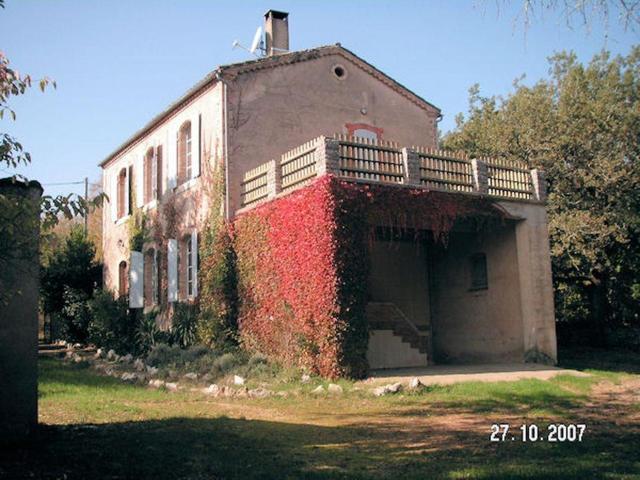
149	334
162	355
113	325
184	323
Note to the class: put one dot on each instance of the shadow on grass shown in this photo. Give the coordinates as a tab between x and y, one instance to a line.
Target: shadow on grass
199	448
585	358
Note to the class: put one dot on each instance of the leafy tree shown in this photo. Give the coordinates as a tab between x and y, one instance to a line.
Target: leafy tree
72	268
582	126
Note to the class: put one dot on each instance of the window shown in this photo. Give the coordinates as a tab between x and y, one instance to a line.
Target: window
122	192
152	174
479	280
185	168
151	269
123	280
129	195
364	130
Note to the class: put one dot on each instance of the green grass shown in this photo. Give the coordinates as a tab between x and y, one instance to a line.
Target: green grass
98	427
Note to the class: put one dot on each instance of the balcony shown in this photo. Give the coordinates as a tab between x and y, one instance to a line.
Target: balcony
382	162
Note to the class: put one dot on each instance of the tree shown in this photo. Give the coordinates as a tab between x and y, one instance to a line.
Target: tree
582	126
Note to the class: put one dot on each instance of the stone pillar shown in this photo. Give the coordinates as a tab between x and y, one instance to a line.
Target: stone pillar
539	180
480	176
328	156
536	287
411	165
19	289
274	179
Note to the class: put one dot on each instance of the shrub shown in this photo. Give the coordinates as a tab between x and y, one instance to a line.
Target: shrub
112	324
162	355
76	315
225	363
148	333
183	328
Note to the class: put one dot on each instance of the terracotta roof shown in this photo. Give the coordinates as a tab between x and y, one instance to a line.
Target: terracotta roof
229	72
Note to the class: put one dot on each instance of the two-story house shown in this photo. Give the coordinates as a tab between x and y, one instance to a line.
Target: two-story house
483	297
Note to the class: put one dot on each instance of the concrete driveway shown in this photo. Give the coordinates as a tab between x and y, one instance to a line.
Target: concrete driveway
447	374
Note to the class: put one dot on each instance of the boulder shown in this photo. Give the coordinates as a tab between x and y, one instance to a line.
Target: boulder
334	389
379	391
282	394
128	358
238	380
319	390
152	370
415	383
111	355
128	376
138	364
212	389
77	346
99	354
191	376
394	387
172	387
259	393
155	383
306	378
385	389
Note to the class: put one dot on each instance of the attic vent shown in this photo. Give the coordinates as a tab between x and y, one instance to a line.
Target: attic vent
339	72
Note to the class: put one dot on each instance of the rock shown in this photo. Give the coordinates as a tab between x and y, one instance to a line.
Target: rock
394	387
415	383
142	377
259	393
212	389
109	371
156	383
282	394
242	392
238	380
172	387
319	390
191	376
379	391
306	378
128	376
77	358
228	391
138	365
77	346
99	354
334	389
128	358
206	377
111	355
152	370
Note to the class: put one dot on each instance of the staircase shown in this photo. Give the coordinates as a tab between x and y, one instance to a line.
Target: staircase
387	316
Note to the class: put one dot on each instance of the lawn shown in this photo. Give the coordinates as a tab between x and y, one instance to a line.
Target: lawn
98	427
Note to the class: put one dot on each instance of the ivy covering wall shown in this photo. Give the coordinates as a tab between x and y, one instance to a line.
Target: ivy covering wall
302	266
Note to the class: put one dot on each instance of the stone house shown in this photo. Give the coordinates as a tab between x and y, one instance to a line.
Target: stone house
261	130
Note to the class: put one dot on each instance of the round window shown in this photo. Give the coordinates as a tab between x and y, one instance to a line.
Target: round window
339	72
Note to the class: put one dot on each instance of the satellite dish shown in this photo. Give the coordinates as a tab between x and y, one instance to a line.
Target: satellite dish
257	40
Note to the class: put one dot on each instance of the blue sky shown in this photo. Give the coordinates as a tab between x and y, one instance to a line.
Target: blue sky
118	63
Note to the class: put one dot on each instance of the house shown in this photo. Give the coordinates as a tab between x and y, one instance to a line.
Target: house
455	267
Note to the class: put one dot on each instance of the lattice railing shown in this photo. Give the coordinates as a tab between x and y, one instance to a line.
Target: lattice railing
299	166
377	161
508	179
253	187
441	170
367	159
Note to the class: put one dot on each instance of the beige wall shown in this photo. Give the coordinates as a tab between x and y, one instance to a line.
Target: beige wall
274	110
398	274
190	200
477	325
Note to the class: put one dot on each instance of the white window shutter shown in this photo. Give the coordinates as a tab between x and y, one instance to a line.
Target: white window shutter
113	197
127	185
138	177
172	159
194	260
136	280
195	147
172	270
154	174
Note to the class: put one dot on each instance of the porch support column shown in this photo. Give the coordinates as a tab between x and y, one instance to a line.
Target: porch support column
411	161
328	157
539	181
536	287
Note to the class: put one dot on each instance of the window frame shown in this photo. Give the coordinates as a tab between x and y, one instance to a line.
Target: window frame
478	272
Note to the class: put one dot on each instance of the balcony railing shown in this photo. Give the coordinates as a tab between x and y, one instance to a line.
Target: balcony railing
371	161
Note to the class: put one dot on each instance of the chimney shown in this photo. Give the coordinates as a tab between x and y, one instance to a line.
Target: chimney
276	29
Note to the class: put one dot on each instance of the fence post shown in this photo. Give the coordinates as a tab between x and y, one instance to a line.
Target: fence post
327	156
274	179
411	167
480	176
539	182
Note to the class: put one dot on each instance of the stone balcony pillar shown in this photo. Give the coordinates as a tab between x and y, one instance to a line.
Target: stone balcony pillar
274	179
411	167
539	181
480	176
328	156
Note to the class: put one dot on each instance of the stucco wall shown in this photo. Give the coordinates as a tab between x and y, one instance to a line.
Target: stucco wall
477	325
398	274
274	110
190	200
